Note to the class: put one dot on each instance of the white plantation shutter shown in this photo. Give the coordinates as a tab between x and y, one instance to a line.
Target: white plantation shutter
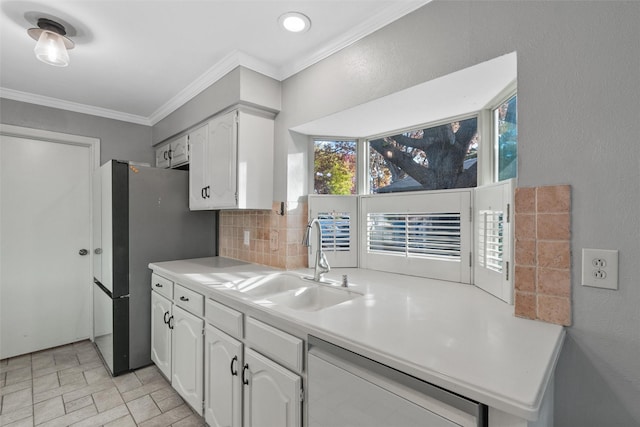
338	216
433	235
493	270
425	234
490	239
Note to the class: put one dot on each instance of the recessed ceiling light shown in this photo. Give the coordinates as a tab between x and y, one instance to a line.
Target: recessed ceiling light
295	22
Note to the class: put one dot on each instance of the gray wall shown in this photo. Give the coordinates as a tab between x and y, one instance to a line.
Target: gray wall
579	124
240	85
118	140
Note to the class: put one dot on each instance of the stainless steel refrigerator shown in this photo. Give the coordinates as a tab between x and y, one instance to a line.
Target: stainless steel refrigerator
141	215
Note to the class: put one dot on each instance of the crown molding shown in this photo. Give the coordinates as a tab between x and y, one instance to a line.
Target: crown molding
47	101
227	64
212	75
383	18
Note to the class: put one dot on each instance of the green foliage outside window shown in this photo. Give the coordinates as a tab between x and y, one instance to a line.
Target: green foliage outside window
334	167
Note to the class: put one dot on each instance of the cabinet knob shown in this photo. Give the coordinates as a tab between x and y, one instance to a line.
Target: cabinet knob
183	298
83	252
158	285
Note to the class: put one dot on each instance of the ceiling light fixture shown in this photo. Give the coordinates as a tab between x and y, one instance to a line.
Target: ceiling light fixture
295	22
52	44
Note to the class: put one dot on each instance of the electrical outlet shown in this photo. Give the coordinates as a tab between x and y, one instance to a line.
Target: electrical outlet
247	236
600	268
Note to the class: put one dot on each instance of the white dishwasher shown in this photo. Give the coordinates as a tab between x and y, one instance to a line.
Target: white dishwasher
348	390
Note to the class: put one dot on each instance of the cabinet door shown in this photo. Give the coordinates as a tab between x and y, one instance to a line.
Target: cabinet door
223	388
271	393
198	168
160	333
162	157
186	357
222	160
180	151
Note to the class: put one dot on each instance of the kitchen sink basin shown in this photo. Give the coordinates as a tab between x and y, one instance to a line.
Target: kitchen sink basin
313	297
271	284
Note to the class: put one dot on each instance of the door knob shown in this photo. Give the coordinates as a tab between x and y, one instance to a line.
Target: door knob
83	252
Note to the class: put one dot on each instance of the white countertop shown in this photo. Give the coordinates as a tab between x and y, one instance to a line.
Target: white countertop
452	335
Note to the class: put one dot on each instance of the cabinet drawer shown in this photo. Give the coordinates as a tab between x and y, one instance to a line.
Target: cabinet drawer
279	346
188	299
224	318
162	285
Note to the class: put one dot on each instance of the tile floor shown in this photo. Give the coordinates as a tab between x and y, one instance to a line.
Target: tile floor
69	386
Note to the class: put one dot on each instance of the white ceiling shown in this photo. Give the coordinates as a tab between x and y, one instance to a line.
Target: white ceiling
138	60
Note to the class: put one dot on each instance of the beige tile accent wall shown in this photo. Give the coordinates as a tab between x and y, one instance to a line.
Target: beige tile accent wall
275	236
543	253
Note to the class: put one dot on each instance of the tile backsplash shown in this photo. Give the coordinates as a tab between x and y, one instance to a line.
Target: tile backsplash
275	235
543	253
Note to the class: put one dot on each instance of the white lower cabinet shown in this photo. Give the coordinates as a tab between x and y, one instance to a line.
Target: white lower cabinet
272	394
161	333
223	385
187	348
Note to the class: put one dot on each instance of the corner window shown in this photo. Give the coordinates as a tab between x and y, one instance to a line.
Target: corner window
334	167
505	119
434	158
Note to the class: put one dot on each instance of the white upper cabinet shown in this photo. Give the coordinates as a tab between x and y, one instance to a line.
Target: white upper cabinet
173	154
231	166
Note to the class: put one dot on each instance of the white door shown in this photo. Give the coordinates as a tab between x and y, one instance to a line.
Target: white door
272	394
223	388
45	221
186	357
160	333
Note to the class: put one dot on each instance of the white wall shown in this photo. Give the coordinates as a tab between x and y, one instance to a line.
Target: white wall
579	124
118	140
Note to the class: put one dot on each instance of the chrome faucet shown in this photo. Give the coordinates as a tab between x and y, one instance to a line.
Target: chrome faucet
322	265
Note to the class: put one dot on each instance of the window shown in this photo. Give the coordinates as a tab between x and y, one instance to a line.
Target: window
433	158
338	216
505	122
334	167
425	234
433	201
